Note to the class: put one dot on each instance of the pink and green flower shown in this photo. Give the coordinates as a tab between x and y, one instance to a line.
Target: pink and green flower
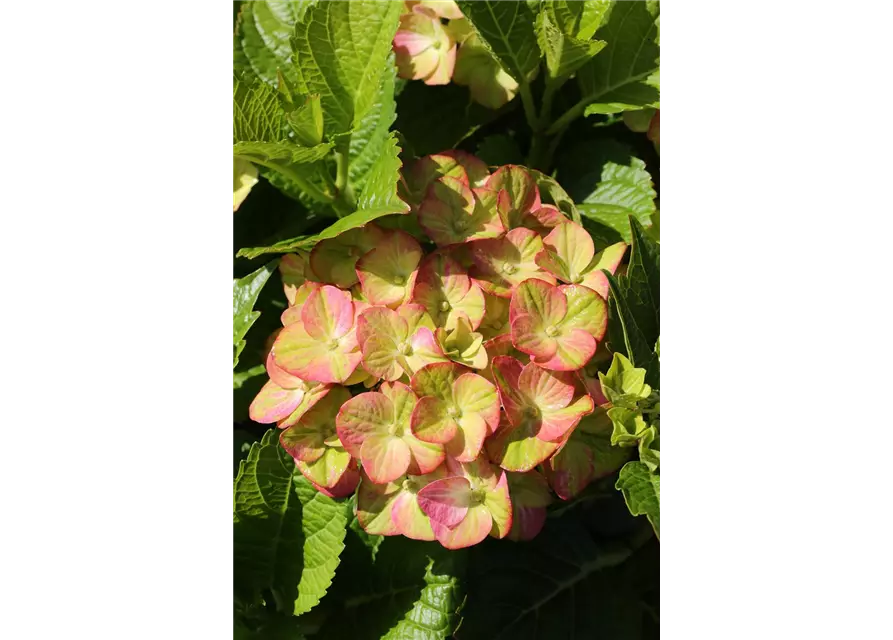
284	398
388	272
501	264
559	327
392	508
530	497
462	344
541	408
464	167
334	260
496	317
397	343
375	428
517	195
569	254
445	290
468	505
585	456
424	50
477	69
457	409
452	213
313	441
322	346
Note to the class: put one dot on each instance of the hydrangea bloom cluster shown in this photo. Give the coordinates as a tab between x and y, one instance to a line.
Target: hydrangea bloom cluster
436	44
447	378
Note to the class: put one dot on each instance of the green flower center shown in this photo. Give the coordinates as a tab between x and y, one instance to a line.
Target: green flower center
445	306
454	413
460	225
405	349
478	496
551	331
333	345
509	268
399	280
437	44
410	485
396	430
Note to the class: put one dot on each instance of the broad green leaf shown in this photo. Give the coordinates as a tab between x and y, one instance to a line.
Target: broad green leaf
564	31
410	590
565	583
245	292
369	139
620	77
262	37
257	113
506	28
378	198
340	52
287	536
617	186
641	490
634	312
261	134
324	522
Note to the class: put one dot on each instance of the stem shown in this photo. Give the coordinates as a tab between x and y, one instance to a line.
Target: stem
345	198
567	117
529	109
539	157
307	187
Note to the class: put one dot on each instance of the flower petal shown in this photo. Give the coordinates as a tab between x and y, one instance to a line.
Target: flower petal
303	442
499	504
409	519
446	212
466	444
608	259
446	501
327	470
474	394
345	486
506	374
384	457
361	417
328	313
518	448
424	350
431	421
274	403
521	193
571	469
541	300
573	247
586	310
557	423
375	504
388	272
473	529
549	391
437	380
572	352
529	335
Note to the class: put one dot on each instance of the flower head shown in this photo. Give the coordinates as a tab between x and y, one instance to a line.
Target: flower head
569	254
424	49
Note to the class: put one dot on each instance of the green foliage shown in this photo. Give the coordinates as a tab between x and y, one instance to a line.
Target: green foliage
287	536
245	292
320	113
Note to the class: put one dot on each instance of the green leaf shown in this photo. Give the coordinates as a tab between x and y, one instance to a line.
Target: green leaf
634	309
280	152
450	106
556	194
565	583
245	292
641	490
378	198
565	34
324	523
500	149
621	77
287	536
262	37
634	305
257	113
340	52
617	186
369	139
506	28
410	591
